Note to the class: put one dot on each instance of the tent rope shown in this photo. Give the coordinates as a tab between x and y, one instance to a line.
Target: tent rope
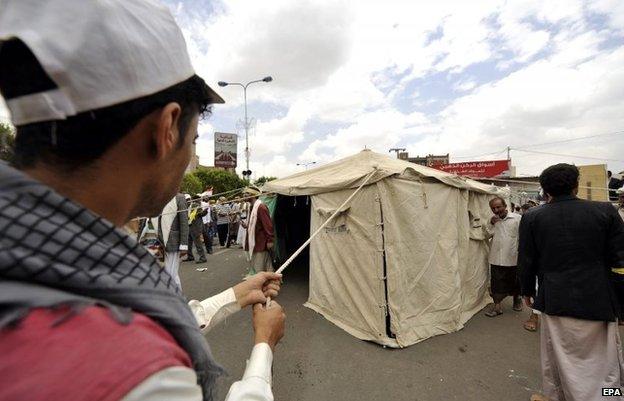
305	244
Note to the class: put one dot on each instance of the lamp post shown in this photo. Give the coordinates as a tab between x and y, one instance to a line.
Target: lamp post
306	165
247	172
397	150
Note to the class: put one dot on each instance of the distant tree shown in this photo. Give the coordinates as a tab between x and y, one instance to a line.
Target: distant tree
220	180
7	141
263	180
191	184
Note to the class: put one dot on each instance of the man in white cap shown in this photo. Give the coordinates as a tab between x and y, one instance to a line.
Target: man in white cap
106	105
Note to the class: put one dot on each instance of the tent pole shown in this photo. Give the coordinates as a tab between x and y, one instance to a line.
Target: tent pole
305	244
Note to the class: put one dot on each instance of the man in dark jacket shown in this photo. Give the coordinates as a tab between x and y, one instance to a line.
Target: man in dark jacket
571	246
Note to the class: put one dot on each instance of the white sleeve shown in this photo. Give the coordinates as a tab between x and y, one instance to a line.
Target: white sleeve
256	382
213	310
177	383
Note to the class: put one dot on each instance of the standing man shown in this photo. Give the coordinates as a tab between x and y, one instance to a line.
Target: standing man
106	104
207	221
620	193
223	220
234	222
503	229
195	216
173	233
614	183
259	239
571	245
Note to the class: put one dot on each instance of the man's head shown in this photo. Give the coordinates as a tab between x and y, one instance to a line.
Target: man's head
252	193
609	173
560	179
498	207
132	114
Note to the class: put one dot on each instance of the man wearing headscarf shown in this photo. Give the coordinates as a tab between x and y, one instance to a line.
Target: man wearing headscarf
259	240
106	104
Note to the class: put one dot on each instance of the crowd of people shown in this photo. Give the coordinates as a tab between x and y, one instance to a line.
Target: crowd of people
87	313
189	224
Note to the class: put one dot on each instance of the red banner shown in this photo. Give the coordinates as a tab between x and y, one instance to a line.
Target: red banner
480	169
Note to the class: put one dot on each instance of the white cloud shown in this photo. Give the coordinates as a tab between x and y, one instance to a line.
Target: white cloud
378	130
543	102
350	62
613	10
300	44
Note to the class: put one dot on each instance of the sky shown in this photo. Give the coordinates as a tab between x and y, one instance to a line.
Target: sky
468	78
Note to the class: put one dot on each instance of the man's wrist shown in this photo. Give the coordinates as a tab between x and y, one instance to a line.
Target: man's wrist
264	339
240	292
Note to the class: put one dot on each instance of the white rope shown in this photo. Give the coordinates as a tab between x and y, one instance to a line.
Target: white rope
305	244
202	198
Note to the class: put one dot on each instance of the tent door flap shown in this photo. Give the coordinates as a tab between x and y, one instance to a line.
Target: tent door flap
384	278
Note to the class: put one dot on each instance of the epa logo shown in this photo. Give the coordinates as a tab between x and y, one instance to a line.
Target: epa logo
611	392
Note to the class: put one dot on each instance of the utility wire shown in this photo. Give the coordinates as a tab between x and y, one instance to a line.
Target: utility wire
521	148
570	140
566	155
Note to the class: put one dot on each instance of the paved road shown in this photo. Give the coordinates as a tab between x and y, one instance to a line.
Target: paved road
489	360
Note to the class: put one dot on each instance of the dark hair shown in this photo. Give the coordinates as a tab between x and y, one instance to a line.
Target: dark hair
560	179
81	139
526	206
498	198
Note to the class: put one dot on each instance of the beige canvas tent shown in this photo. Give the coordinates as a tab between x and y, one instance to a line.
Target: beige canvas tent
406	259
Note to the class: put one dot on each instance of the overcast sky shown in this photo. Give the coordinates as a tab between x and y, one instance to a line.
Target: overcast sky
467	78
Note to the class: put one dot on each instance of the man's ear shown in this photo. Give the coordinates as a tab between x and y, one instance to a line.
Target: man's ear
167	134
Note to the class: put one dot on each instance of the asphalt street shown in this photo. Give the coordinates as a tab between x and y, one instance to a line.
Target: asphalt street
491	359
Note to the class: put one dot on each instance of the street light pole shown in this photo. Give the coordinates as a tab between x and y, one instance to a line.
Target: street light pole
246	131
397	150
267	79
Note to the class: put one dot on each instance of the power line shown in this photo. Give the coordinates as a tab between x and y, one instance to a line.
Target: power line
566	155
546	144
570	140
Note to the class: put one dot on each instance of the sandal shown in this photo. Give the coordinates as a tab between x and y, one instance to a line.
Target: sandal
493	313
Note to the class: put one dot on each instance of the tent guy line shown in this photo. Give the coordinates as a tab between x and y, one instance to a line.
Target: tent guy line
305	244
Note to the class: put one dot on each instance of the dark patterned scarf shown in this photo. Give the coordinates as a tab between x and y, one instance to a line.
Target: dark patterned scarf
55	252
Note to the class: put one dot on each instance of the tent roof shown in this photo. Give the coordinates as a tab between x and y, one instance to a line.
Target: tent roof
351	171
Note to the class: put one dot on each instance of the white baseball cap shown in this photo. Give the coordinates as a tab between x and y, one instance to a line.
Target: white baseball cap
98	53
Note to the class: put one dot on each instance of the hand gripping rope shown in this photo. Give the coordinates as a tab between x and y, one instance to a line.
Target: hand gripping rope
305	244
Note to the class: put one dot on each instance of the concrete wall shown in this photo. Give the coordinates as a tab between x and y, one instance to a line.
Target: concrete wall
594	177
